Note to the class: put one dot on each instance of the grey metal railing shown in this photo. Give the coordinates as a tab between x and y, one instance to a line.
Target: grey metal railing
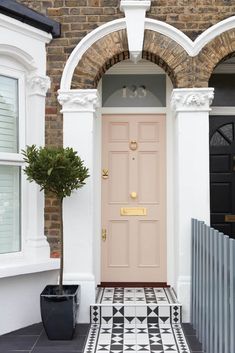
213	288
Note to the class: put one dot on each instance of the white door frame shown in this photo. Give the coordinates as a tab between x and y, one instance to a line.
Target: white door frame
169	175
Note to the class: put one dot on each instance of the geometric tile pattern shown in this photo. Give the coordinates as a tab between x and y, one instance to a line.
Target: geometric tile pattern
142	338
136	306
149	295
135	314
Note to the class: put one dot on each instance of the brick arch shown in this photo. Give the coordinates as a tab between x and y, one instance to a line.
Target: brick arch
104	53
113	48
166	53
217	50
184	70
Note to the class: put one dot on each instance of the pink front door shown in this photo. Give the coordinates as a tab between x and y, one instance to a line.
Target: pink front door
133	198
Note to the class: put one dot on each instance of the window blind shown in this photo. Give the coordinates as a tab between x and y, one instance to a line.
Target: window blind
10	235
8	114
9	209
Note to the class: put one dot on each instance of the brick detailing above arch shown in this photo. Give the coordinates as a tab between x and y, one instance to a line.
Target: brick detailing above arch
184	70
99	57
212	54
165	52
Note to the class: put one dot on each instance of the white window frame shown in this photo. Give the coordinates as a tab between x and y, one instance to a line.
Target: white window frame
16	159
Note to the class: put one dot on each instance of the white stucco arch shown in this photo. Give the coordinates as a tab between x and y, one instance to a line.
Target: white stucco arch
81	131
19	55
191	47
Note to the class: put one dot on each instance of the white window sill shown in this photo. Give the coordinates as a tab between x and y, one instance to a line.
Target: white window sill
22	267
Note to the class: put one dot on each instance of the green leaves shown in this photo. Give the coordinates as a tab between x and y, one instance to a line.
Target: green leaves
57	170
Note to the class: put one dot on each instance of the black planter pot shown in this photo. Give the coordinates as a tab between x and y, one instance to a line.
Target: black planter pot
59	311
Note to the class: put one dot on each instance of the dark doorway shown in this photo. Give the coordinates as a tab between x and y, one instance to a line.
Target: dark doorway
222	173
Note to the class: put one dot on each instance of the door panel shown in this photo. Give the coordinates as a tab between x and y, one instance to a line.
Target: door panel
118	238
222	173
148	177
119	177
133	152
148	244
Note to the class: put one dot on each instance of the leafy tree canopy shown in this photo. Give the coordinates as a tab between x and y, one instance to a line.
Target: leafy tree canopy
57	170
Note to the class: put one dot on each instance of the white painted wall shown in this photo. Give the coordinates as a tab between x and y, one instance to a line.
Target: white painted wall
191	186
20	299
24	274
80	212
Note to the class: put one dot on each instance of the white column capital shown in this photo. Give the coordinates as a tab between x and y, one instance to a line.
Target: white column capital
135	11
38	85
79	100
192	99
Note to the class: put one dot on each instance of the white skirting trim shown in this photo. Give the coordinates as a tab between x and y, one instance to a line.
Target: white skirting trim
87	293
184	296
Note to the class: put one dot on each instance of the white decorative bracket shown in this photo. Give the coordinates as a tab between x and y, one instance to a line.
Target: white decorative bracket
135	11
38	85
79	100
192	99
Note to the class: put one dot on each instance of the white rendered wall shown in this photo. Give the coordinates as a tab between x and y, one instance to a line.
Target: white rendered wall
20	299
24	274
80	209
191	187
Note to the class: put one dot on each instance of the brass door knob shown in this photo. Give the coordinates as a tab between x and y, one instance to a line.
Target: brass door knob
133	195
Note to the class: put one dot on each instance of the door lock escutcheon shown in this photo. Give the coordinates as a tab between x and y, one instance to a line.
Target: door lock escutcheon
105	173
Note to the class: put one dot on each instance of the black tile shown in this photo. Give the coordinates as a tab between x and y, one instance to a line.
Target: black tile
74	345
188	329
14	342
82	329
49	350
34	330
194	344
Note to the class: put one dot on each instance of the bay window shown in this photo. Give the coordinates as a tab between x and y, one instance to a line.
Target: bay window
10	162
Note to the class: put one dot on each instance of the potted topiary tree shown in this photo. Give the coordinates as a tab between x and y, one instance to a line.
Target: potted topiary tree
58	171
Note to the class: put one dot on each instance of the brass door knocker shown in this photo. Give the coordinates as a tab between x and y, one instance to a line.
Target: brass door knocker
133	145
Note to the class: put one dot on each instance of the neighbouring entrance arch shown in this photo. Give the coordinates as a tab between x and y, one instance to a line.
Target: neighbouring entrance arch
178	55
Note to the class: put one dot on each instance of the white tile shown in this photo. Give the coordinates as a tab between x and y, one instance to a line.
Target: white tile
141	311
164	310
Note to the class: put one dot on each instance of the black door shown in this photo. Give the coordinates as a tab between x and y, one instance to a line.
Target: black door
222	173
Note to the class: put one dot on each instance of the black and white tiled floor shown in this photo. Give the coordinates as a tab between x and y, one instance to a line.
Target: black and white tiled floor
142	338
136	320
146	333
136	306
136	296
32	339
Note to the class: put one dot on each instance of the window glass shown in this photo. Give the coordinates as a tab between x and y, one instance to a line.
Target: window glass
134	90
9	209
8	114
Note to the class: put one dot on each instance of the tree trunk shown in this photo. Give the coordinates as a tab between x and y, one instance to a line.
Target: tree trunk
61	247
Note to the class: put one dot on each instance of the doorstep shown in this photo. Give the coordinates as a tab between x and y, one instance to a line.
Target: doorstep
136	306
139	320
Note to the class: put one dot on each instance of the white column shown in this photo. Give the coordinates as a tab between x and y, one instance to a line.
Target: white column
191	161
79	212
36	246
